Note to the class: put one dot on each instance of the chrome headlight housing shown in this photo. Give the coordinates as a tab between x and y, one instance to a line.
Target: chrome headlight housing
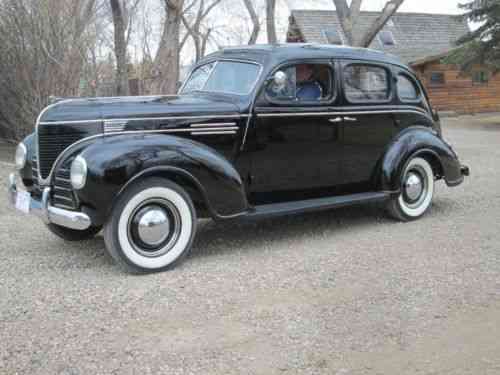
78	172
21	154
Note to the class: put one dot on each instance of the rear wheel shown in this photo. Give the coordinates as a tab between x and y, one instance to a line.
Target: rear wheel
151	227
417	191
69	234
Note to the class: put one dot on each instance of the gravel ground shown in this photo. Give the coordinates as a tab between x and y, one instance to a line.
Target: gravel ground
339	292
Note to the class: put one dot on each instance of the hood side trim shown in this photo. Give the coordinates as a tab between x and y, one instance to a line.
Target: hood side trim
208	117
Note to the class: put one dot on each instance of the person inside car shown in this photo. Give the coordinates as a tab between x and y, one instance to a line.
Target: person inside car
308	88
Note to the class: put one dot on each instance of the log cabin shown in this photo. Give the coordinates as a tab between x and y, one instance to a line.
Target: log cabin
424	41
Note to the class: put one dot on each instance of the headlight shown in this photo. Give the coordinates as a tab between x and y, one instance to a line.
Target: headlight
21	156
78	174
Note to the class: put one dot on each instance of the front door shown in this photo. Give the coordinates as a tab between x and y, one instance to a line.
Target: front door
296	140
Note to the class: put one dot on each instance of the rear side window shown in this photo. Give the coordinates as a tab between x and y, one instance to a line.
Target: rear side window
366	83
407	89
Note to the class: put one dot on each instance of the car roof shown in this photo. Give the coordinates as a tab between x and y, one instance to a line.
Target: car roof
280	53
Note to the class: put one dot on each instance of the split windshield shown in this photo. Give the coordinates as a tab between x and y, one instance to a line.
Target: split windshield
229	77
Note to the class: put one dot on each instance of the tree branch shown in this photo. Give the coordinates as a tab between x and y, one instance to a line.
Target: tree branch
390	8
255	21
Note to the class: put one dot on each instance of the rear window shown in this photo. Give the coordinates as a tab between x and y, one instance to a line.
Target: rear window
366	83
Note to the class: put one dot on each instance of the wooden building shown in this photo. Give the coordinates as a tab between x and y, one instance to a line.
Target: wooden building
421	40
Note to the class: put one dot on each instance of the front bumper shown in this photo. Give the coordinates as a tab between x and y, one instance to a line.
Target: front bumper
50	214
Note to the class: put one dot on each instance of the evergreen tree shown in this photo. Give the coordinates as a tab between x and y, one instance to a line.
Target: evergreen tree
481	46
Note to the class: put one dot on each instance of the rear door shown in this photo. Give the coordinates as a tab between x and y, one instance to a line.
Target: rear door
369	123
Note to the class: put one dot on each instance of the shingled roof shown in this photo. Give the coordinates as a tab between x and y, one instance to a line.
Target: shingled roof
417	36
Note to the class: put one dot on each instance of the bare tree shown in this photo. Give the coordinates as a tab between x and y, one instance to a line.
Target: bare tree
120	47
167	58
271	22
255	21
349	16
195	29
44	53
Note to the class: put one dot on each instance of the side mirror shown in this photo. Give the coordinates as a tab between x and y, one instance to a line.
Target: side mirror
280	78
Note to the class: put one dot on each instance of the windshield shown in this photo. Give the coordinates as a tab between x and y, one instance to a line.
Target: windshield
223	76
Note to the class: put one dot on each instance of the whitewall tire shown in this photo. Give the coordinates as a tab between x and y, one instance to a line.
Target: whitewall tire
417	191
151	227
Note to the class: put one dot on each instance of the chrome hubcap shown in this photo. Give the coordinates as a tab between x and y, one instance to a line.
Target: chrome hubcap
153	225
413	186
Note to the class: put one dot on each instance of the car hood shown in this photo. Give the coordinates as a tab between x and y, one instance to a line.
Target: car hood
135	107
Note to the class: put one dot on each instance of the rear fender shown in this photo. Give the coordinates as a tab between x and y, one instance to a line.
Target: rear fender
411	142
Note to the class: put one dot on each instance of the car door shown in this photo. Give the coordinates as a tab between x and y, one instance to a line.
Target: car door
297	140
369	123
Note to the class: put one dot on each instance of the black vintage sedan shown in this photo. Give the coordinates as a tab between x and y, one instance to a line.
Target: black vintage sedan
254	132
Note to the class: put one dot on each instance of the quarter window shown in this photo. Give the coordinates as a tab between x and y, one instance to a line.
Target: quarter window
407	89
366	83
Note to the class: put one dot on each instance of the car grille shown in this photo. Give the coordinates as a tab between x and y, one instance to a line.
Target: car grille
62	192
34	169
54	139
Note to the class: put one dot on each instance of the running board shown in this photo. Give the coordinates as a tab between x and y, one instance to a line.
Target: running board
311	205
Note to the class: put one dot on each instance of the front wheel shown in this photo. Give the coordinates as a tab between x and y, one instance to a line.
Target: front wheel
151	227
417	191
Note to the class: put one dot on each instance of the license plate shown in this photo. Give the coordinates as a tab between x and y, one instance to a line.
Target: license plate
23	200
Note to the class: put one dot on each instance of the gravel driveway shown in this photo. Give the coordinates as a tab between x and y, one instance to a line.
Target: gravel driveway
340	292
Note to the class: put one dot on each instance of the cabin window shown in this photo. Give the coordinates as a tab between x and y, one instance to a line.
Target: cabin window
366	83
386	38
480	77
407	89
305	83
333	36
437	79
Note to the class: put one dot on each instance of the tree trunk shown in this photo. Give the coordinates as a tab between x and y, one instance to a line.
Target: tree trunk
348	17
122	86
167	58
271	25
255	21
344	15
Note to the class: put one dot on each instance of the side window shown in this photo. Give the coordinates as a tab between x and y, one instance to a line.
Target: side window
302	83
366	83
407	89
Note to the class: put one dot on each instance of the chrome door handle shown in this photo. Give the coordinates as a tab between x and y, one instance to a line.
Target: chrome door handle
336	119
351	119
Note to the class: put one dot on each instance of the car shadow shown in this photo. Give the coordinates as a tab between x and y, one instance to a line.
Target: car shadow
218	238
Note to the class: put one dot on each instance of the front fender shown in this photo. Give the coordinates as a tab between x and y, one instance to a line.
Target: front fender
411	142
115	160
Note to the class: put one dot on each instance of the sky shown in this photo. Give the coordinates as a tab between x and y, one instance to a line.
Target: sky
420	6
233	26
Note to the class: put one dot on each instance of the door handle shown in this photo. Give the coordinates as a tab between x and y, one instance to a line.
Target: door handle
336	119
350	119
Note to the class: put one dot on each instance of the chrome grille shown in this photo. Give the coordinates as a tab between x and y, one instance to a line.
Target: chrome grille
62	192
53	139
34	172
